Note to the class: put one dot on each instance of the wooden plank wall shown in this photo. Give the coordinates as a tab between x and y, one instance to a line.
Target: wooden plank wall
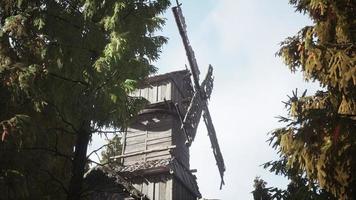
159	136
152	135
155	134
157	188
177	89
155	93
163	187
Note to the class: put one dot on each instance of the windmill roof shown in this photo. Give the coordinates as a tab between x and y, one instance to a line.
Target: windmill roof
167	76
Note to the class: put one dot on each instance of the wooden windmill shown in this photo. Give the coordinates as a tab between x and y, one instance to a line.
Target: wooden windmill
155	154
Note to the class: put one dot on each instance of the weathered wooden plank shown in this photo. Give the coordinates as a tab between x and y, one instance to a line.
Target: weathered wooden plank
158	145
136	140
133	135
156	130
152	94
163	124
146	93
157	154
135	148
163	190
134	132
133	159
150	190
130	138
156	190
132	149
168	91
145	188
159	140
163	89
169	189
158	157
164	92
155	137
159	93
145	152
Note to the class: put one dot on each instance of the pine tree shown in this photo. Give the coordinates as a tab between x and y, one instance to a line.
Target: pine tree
66	69
319	142
299	186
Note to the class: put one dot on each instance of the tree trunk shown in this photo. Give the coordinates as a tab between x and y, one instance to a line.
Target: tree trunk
78	166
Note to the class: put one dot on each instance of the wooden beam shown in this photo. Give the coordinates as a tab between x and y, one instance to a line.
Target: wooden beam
177	12
214	144
187	137
144	152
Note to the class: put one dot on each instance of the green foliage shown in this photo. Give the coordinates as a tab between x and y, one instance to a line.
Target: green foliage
260	191
66	69
30	156
297	189
112	148
318	143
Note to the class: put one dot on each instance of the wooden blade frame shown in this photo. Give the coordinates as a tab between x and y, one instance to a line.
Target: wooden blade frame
202	94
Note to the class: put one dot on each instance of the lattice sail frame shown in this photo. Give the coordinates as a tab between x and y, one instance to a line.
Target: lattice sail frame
199	102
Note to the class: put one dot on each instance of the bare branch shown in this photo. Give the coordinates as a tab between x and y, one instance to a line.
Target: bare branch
98	149
56	180
100	164
68	79
97	155
100	131
62	117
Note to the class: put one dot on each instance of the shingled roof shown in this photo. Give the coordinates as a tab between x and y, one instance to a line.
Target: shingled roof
170	75
170	165
104	183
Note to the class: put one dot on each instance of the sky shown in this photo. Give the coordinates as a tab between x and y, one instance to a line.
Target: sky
239	38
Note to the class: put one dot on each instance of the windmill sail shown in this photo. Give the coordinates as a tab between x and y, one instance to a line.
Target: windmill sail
215	145
199	102
177	11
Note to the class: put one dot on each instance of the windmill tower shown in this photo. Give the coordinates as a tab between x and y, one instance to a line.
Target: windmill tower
155	154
